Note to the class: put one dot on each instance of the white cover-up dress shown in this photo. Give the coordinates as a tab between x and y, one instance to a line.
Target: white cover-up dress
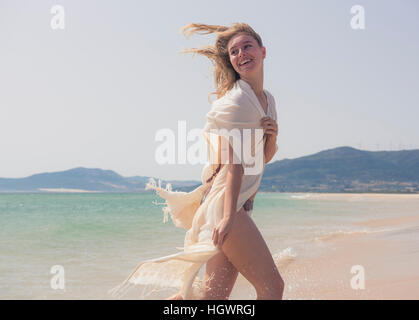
200	210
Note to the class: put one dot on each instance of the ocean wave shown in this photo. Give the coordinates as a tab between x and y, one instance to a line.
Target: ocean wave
302	196
341	233
284	257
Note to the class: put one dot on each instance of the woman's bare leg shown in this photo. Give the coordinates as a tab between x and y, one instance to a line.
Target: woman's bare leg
246	249
220	277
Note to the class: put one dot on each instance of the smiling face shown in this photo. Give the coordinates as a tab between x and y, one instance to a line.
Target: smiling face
245	54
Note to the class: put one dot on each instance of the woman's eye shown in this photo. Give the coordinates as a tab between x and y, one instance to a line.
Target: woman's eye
234	52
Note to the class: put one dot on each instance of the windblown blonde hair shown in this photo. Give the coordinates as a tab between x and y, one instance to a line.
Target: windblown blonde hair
224	74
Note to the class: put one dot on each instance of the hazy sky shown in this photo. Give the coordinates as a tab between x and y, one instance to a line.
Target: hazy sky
96	93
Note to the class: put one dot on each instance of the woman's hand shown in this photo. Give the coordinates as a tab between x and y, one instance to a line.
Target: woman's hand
270	130
270	127
221	231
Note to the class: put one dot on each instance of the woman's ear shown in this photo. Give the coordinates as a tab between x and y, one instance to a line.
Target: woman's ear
263	52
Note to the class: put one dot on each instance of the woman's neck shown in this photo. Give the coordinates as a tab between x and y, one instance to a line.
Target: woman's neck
256	83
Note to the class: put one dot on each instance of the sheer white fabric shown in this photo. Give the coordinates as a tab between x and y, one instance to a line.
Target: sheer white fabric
238	109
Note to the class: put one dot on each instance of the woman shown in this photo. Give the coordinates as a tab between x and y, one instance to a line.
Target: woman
220	231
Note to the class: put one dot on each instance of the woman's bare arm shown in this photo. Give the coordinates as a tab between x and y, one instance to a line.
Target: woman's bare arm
233	183
233	186
231	195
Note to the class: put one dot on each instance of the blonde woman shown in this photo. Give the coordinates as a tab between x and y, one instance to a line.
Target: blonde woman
217	215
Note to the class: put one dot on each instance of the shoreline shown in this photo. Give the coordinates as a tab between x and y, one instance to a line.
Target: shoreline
386	271
387	259
384	256
308	193
341	196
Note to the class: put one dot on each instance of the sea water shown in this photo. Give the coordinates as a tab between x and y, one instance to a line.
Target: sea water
98	239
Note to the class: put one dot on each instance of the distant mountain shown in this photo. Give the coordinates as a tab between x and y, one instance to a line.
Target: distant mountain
83	180
345	169
342	169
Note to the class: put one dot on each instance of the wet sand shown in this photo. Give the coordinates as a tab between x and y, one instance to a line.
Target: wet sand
385	260
390	270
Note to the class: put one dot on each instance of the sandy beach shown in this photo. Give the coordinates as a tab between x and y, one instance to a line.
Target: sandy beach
385	256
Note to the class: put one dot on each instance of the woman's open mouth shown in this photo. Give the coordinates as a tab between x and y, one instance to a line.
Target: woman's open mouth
245	62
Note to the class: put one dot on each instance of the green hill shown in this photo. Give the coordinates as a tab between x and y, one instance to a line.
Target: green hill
345	169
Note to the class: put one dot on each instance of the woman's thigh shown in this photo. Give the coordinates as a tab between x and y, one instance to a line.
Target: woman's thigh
246	249
220	277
